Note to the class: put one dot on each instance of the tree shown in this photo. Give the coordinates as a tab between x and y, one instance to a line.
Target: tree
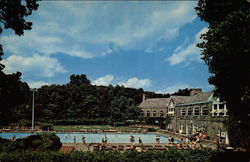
13	92
79	79
226	51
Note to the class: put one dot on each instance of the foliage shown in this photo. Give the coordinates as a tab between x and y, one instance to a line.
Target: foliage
13	13
13	93
74	103
39	142
182	92
81	121
226	51
151	130
79	102
11	88
128	156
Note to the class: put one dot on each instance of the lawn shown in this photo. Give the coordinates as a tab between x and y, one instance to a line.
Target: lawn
95	128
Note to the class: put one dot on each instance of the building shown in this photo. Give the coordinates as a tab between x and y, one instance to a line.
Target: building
154	107
199	112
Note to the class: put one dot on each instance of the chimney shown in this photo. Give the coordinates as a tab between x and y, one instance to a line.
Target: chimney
195	91
144	97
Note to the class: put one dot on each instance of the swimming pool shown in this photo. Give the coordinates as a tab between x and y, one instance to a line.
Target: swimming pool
96	137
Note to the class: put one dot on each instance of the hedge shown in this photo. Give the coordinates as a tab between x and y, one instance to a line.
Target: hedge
172	155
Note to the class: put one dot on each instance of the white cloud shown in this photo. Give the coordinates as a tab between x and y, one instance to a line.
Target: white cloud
86	29
131	82
36	84
174	88
105	80
42	66
136	83
161	49
186	54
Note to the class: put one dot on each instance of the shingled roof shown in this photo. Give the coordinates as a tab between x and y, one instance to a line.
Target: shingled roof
204	96
155	103
181	99
178	100
200	97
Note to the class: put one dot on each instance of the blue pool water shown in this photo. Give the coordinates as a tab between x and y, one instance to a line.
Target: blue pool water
96	137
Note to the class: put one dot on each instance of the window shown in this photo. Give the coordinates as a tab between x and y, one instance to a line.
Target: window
196	111
190	111
215	110
204	111
221	106
183	111
154	113
148	113
161	114
221	109
171	112
142	113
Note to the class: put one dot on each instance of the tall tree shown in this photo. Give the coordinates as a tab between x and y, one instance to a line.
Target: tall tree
12	90
13	93
226	51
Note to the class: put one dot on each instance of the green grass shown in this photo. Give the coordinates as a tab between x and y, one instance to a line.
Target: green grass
94	128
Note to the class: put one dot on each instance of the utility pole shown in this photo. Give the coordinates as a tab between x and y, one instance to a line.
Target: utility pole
33	110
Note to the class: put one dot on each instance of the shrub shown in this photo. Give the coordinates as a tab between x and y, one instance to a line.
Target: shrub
37	142
117	124
171	155
151	130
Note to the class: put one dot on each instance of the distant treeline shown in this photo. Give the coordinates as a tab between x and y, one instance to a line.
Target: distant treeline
78	99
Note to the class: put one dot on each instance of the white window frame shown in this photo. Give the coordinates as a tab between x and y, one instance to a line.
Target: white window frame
219	111
204	108
183	110
195	108
191	110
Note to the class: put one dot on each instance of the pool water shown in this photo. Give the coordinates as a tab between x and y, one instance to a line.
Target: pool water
96	137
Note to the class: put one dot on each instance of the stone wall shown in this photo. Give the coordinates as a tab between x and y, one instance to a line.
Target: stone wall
187	124
158	112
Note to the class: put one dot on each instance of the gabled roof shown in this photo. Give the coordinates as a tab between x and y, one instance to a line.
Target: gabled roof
155	103
200	97
178	100
181	99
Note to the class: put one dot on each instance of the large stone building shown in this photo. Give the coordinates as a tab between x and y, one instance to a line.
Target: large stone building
200	111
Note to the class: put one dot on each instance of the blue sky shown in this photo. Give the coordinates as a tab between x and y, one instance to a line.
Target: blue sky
148	44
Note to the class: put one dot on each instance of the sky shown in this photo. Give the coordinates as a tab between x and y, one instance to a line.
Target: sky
138	44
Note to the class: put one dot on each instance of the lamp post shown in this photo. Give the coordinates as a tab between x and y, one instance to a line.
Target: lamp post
33	109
